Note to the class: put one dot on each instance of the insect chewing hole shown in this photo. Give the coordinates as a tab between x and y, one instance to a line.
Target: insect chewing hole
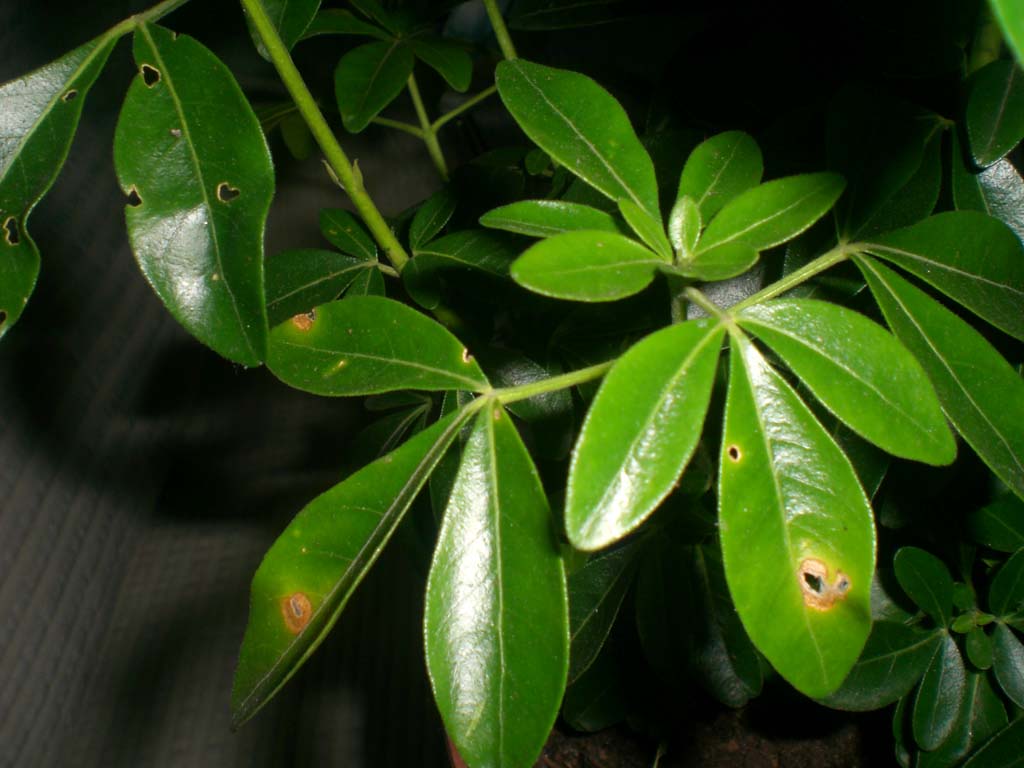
304	320
734	452
814	582
818	593
70	95
297	611
226	193
150	75
11	233
466	357
134	199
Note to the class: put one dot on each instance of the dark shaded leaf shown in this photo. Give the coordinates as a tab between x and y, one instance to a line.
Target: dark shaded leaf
927	582
368	78
302	279
345	233
334	21
431	218
940	697
1008	661
476	250
450	60
289	17
1000	525
995	111
1006	593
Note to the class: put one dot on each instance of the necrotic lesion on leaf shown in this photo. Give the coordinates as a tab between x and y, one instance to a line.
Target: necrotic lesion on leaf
11	234
226	193
297	611
71	95
150	75
819	593
305	320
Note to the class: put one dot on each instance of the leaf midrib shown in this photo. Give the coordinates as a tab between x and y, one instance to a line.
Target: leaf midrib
880	250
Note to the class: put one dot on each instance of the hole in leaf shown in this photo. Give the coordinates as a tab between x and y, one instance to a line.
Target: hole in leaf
818	592
734	452
304	321
226	193
134	200
176	133
150	75
11	233
70	95
814	582
297	611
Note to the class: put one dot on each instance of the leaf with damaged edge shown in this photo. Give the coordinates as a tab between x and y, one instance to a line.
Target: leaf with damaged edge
544	218
586	266
927	582
995	111
311	571
582	126
290	18
450	60
999	525
788	494
940	696
368	78
364	345
345	233
197	230
39	114
720	169
496	623
301	279
431	218
475	250
1008	663
1006	593
334	21
860	372
979	391
972	258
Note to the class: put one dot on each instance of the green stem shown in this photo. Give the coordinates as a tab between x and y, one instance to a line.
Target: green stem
838	254
708	306
155	13
677	286
335	155
429	137
398	125
555	383
500	30
467	104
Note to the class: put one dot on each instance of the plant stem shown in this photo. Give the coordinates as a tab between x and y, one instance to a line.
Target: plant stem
838	254
500	30
467	104
677	286
398	125
555	383
155	13
708	306
429	137
335	155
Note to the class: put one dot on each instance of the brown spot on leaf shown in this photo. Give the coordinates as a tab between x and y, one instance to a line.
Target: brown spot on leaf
734	453
820	592
70	95
297	611
304	321
226	193
150	75
134	199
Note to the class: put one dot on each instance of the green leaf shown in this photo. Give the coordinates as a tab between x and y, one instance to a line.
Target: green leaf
892	662
1004	749
301	279
369	282
1011	19
596	592
450	60
582	126
720	263
1000	525
648	228
289	17
39	114
972	258
443	477
981	715
684	226
940	697
544	218
900	733
1008	661
979	391
586	266
345	233
308	575
917	198
431	218
1006	593
719	170
995	111
772	213
368	78
859	372
798	539
476	250
363	345
927	582
387	433
997	190
197	230
640	432
599	698
373	9
979	648
334	21
496	620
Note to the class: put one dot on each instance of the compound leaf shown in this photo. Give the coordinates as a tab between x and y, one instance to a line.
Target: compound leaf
719	170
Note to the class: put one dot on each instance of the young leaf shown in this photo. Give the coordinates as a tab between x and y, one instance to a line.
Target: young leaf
860	373
995	111
1004	749
892	662
544	218
719	170
1006	593
496	624
333	21
997	190
1011	19
684	226
368	78
308	575
1008	661
927	582
450	60
979	391
719	263
772	213
431	218
940	697
1000	525
363	345
981	715
39	114
345	233
586	266
289	17
477	250
583	127
640	432
979	648
972	258
648	228
798	538
301	279
200	200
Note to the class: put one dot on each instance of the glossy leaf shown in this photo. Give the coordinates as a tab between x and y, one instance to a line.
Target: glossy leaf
647	228
1008	662
301	279
917	198
431	218
550	415
496	623
892	662
197	230
981	715
363	345
308	575
684	226
860	372
443	477
797	533
596	592
940	696
720	169
997	190
345	233
289	17
1000	525
1011	19
927	582
1006	593
1004	749
450	60
334	21
586	266
544	218
368	78
39	114
719	263
582	126
970	257
475	250
980	393
640	432
995	111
